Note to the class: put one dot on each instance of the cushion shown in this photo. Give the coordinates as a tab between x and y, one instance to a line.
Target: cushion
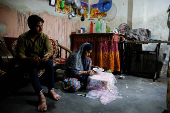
59	62
55	48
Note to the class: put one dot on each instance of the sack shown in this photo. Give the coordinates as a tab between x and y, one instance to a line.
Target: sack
139	34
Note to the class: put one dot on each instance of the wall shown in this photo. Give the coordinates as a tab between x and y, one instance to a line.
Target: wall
14	14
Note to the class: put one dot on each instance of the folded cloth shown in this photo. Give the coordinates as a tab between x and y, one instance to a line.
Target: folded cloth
139	34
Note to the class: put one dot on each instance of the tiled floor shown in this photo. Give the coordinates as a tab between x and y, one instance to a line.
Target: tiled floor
136	95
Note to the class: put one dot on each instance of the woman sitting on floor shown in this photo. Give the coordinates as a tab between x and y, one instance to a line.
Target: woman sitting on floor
78	67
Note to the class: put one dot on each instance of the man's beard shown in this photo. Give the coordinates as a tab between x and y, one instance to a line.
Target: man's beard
37	33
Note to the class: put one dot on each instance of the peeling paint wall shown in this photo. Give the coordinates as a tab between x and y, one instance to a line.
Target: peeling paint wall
14	14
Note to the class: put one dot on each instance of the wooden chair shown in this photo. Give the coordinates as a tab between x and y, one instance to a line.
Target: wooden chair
57	54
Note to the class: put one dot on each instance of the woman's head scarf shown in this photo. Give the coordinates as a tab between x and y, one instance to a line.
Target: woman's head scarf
87	47
74	61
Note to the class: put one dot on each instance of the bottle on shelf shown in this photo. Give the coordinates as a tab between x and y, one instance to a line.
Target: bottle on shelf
103	30
94	27
98	26
91	27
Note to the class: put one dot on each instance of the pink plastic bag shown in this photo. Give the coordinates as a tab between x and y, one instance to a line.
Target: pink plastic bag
101	85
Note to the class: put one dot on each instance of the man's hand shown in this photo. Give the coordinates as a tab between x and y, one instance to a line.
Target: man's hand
36	60
45	59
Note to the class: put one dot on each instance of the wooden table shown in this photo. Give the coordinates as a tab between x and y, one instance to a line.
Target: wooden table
128	60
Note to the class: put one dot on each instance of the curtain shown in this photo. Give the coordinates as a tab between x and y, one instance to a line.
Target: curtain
105	50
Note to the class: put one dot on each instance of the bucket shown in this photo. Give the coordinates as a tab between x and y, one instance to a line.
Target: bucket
79	31
83	29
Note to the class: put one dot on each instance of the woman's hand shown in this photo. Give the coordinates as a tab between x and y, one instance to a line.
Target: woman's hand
90	72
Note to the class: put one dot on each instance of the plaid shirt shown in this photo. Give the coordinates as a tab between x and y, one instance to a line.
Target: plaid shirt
27	46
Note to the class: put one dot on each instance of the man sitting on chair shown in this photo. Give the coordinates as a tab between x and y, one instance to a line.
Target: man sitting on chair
34	50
